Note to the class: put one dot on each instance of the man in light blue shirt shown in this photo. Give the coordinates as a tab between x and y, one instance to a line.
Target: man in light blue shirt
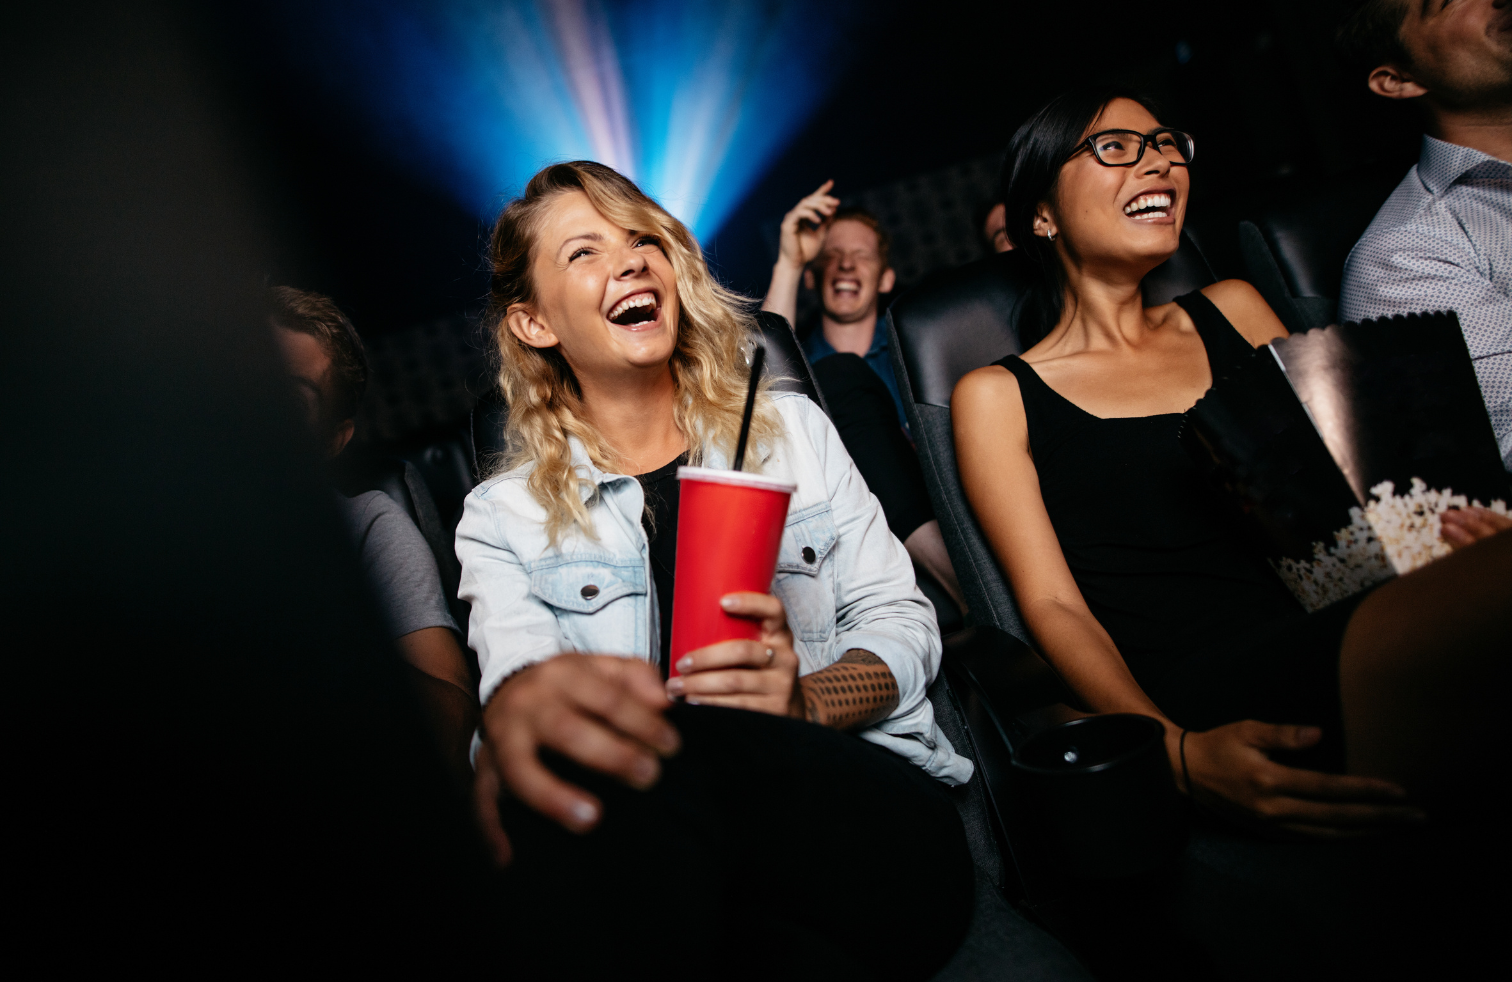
1443	240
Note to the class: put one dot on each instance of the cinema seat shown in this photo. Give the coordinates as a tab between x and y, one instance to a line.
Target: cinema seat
1294	248
786	364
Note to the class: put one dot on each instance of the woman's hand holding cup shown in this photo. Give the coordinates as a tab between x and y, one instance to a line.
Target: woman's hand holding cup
761	675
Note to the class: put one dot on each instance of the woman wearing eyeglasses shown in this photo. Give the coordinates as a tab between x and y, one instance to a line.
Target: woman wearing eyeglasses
1130	571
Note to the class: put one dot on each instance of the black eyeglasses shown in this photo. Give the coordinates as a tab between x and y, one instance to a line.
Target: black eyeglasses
1125	148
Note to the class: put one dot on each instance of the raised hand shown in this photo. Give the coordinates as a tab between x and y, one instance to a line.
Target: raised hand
1232	772
602	711
800	242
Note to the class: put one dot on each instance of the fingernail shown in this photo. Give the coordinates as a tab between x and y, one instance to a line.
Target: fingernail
584	814
685	664
644	772
675	686
728	603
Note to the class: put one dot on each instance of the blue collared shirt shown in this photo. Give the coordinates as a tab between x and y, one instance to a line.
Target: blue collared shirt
817	346
1443	241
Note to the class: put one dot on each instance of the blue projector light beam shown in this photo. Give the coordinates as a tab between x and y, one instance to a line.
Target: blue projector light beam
691	100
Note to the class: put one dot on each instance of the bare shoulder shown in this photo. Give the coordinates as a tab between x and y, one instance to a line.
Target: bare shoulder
1246	310
987	406
988	387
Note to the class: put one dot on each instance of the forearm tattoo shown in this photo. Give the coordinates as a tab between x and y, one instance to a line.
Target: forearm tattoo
855	692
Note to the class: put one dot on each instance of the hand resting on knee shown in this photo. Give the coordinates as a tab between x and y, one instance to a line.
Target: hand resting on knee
602	711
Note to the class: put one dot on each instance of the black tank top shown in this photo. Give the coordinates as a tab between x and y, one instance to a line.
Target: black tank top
1158	553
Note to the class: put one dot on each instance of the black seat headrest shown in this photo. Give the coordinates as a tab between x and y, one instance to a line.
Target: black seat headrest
960	319
785	362
1294	249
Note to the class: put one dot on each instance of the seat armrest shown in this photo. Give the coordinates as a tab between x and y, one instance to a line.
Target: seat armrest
1005	691
1013	684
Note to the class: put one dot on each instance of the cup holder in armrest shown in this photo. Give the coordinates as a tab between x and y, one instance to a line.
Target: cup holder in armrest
1099	796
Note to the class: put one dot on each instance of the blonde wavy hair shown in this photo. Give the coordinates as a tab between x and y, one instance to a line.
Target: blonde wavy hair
546	408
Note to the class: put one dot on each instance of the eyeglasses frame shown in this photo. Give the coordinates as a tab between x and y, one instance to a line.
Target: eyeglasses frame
1090	144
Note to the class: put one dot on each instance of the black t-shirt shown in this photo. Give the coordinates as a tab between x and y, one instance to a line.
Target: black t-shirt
659	519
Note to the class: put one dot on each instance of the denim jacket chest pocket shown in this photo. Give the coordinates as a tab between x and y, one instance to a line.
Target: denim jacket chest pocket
600	600
805	581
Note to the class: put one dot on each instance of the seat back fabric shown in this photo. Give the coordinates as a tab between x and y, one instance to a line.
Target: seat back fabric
1294	249
786	364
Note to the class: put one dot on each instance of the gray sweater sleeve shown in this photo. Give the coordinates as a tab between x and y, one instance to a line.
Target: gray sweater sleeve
398	563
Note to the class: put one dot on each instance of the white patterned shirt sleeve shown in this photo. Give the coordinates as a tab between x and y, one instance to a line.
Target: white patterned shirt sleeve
1443	241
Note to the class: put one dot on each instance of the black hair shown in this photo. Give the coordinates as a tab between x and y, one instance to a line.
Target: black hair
1370	35
1031	172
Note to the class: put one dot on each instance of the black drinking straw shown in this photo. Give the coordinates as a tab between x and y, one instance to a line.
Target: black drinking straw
757	357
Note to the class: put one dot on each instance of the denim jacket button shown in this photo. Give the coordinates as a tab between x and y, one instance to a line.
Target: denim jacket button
589	592
808	555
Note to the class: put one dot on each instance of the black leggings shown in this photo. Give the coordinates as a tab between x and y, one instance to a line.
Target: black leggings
863	413
770	848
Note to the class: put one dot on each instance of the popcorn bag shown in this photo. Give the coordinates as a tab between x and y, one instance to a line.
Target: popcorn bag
1345	444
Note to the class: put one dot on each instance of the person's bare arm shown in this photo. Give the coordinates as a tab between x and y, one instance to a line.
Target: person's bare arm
992	452
1247	310
436	652
797	247
855	692
926	546
446	688
1229	765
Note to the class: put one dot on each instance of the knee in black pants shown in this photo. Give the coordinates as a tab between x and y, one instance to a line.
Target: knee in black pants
769	845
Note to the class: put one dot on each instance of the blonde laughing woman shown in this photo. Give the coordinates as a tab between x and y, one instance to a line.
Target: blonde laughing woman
731	813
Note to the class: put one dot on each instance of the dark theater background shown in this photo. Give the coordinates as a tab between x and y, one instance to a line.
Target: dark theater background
205	756
396	131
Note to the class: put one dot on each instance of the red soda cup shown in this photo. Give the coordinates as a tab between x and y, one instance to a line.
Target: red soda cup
729	528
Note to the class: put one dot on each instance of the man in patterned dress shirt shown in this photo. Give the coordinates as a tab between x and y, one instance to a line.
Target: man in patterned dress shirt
1443	240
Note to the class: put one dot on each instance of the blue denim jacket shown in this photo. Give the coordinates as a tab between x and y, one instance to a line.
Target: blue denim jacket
858	590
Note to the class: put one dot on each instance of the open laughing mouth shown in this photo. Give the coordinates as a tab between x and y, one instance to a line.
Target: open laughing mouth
638	308
1150	204
849	287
